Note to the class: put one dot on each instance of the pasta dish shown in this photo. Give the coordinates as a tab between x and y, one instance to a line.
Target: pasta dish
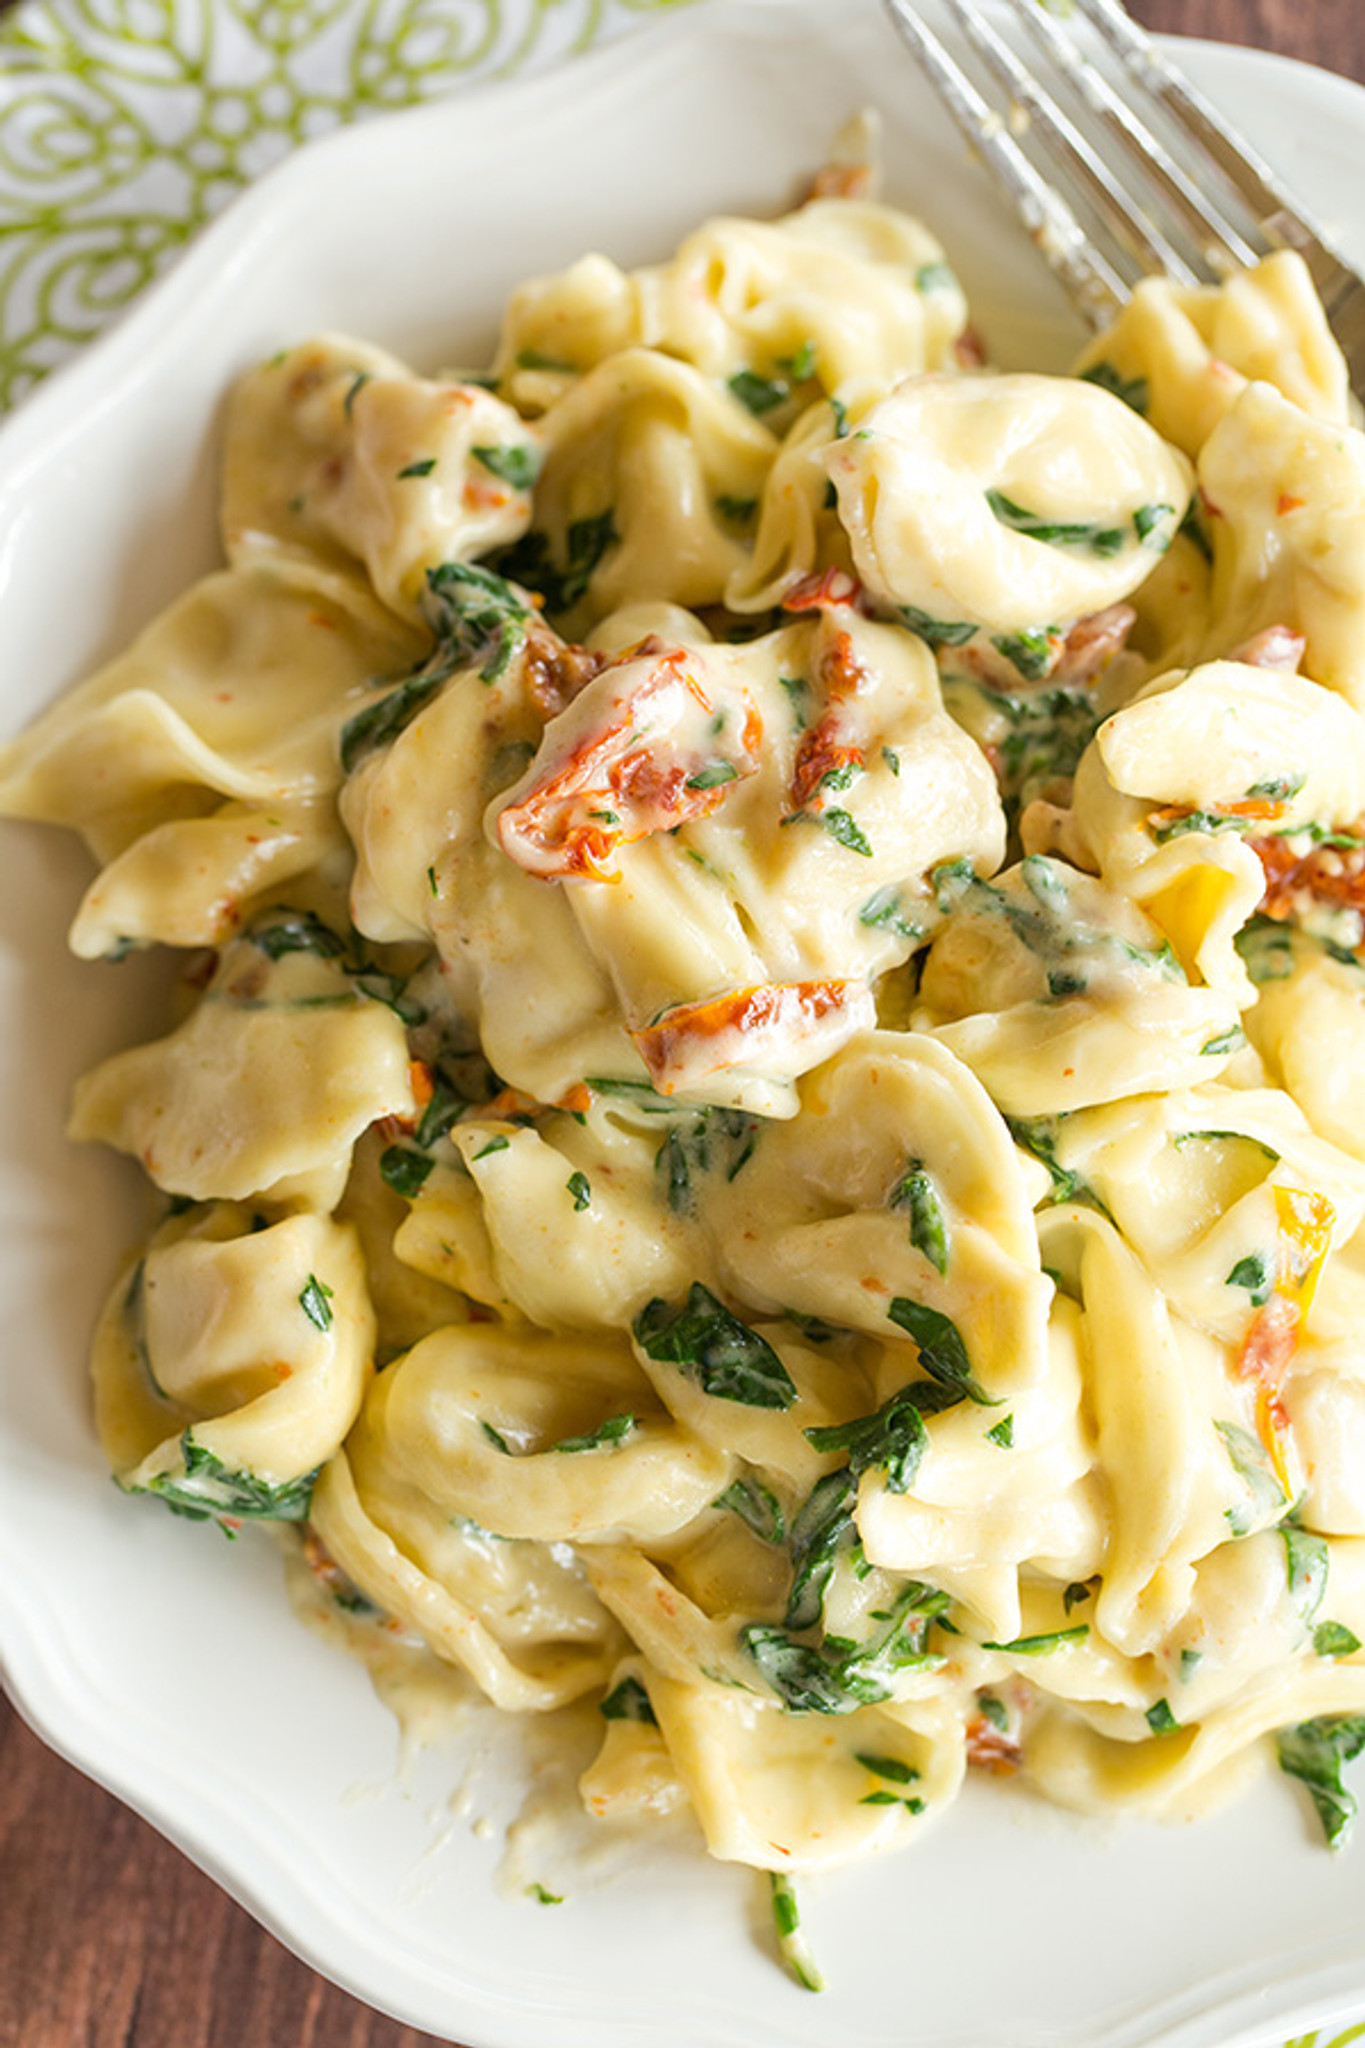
759	1126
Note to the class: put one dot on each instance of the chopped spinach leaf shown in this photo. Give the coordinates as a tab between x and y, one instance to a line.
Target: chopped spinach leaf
514	463
1315	1752
530	562
1306	1567
893	1436
404	1169
713	775
316	1302
496	1438
791	1943
580	1188
839	1676
1043	1645
892	1768
1039	1136
613	1431
1097	540
207	1487
938	632
1160	1718
759	394
941	1349
424	467
296	931
710	1141
726	1358
916	1194
1257	1274
1030	652
498	1144
757	1507
1133	391
628	1701
1334	1639
935	277
884	909
1265	1499
1075	1593
1002	1434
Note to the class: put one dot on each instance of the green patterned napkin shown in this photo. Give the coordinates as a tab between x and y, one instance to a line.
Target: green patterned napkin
126	124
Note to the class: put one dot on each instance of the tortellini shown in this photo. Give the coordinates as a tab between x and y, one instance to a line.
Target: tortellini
1006	503
758	1131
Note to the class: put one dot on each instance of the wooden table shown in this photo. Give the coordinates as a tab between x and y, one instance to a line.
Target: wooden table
108	1937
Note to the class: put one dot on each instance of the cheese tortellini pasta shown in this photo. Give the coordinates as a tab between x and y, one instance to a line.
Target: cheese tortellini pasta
760	1130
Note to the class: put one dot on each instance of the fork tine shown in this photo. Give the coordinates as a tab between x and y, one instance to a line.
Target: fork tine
1089	279
1210	224
1140	236
1280	219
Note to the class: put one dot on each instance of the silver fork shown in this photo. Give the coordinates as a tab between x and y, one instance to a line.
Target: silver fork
1144	176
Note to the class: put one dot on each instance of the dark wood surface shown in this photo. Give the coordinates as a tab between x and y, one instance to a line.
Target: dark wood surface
109	1938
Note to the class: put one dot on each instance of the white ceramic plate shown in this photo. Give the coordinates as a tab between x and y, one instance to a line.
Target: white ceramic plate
165	1662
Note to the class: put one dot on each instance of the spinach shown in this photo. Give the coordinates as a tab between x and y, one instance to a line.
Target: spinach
1306	1566
935	277
637	1094
711	1141
890	1767
791	1943
1134	391
1315	1751
757	1507
941	1349
580	1188
1049	731
822	1530
404	1170
1043	1645
1257	1274
613	1431
724	1356
1161	1719
1097	540
893	1436
1039	1136
1030	651
938	632
759	394
1334	1639
884	909
1075	1593
515	463
296	931
628	1701
423	467
916	1194
207	1487
476	617
1002	1434
316	1302
530	561
738	511
839	824
1224	1042
1264	1494
839	1676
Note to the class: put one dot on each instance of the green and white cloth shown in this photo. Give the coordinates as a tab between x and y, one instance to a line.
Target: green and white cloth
126	124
